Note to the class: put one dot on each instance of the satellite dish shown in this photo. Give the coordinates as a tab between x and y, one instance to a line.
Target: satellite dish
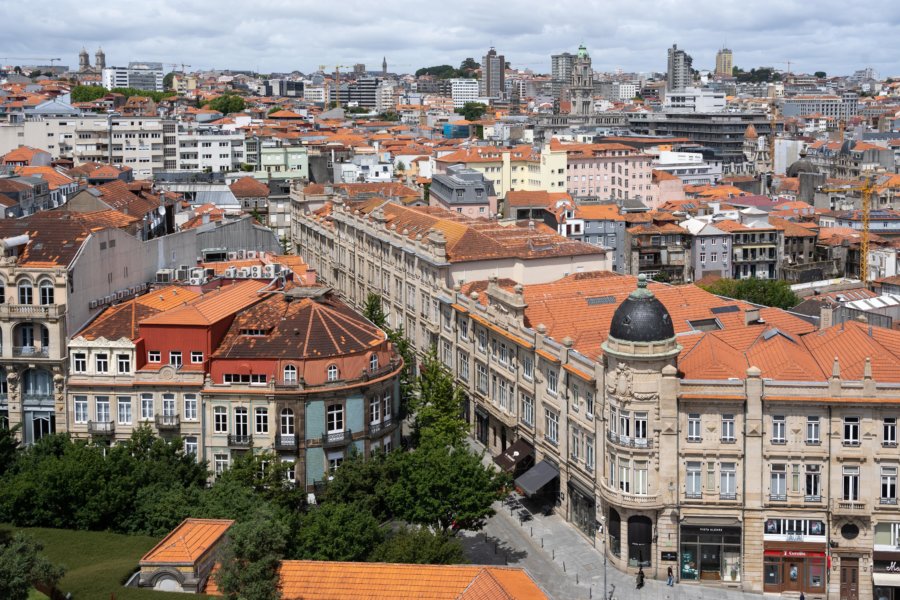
162	210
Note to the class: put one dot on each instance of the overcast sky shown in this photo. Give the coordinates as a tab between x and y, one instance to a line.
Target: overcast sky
282	35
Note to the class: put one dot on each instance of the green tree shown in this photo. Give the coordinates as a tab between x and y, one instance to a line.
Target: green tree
22	566
445	487
407	375
472	111
820	74
768	292
468	67
389	115
168	80
9	444
251	558
227	104
401	166
337	531
438	71
373	310
274	109
265	475
365	482
437	405
419	546
88	93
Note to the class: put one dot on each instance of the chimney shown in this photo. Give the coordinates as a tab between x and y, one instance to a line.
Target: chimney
751	316
826	316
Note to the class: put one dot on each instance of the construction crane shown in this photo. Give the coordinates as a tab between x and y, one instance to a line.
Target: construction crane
50	60
865	189
337	82
182	65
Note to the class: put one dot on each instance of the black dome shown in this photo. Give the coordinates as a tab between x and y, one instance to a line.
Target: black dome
641	317
804	165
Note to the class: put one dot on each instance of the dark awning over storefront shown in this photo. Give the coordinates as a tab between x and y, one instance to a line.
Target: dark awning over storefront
519	452
537	477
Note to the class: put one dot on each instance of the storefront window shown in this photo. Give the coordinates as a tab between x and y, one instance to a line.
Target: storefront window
615	532
710	553
772	570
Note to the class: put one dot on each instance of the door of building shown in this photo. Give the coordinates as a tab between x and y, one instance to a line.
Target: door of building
710	562
792	576
849	579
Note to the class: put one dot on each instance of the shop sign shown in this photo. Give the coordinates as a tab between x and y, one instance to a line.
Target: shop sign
887	567
668	556
793	553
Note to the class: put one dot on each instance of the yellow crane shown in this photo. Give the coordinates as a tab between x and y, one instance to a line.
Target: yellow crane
865	189
337	82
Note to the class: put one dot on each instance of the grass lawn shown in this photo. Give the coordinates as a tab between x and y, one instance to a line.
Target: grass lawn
96	563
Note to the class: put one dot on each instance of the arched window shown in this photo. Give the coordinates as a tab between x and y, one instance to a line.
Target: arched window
332	373
25	292
290	374
2	292
46	292
287	421
373	362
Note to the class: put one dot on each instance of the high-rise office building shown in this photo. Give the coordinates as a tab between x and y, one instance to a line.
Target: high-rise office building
560	72
724	63
678	74
493	73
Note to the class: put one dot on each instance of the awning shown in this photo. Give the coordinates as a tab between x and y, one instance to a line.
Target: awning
514	455
537	477
886	579
710	521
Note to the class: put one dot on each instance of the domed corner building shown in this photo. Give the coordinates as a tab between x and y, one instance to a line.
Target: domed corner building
640	486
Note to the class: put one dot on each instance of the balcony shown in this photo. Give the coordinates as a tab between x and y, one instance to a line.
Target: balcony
727	496
101	427
811	498
336	438
777	497
168	422
31	351
629	500
887	501
382	428
625	441
693	495
32	311
848	507
285	441
240	441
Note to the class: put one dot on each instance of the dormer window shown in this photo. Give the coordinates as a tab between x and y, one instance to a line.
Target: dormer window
373	363
290	374
332	373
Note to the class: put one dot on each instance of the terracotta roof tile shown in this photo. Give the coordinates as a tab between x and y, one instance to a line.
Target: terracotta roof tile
188	542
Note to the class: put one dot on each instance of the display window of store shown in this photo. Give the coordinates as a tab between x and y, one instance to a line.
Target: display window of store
886	562
794	555
710	552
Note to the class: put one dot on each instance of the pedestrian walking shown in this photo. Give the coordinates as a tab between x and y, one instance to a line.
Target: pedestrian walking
670	578
640	577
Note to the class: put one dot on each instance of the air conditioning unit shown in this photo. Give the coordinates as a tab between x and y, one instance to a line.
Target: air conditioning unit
251	253
209	273
257	271
107	299
276	268
183	273
198	273
121	294
232	256
269	270
241	254
243	273
92	304
230	272
196	281
164	276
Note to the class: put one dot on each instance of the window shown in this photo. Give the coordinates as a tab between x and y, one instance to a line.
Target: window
25	292
575	445
220	419
146	407
175	359
589	452
778	429
625	425
589	404
851	483
46	293
482	340
81	409
640	478
889	485
241	424
190	445
123	363
692	481
2	293
262	421
373	362
889	431
728	428
694	427
528	368
640	428
375	410
552	381
196	358
551	426
463	365
624	475
101	362
778	483
290	374
813	485
168	402
851	431
154	356
332	373
728	481
102	408
812	430
221	462
481	378
527	409
335	418
463	325
190	407
387	407
79	362
287	421
123	410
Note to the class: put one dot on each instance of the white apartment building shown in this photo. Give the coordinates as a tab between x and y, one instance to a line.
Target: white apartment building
202	148
689	167
692	99
136	142
463	90
138	75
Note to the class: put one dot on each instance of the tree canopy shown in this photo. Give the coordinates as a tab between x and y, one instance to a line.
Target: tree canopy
472	111
437	404
227	104
89	93
251	558
768	292
22	566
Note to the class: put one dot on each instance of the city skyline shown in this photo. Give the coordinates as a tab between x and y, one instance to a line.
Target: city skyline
275	36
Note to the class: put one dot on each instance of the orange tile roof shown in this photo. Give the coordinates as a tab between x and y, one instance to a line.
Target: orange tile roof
54	178
187	542
213	306
314	580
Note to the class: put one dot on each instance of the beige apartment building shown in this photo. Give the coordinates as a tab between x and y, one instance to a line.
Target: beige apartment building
736	444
